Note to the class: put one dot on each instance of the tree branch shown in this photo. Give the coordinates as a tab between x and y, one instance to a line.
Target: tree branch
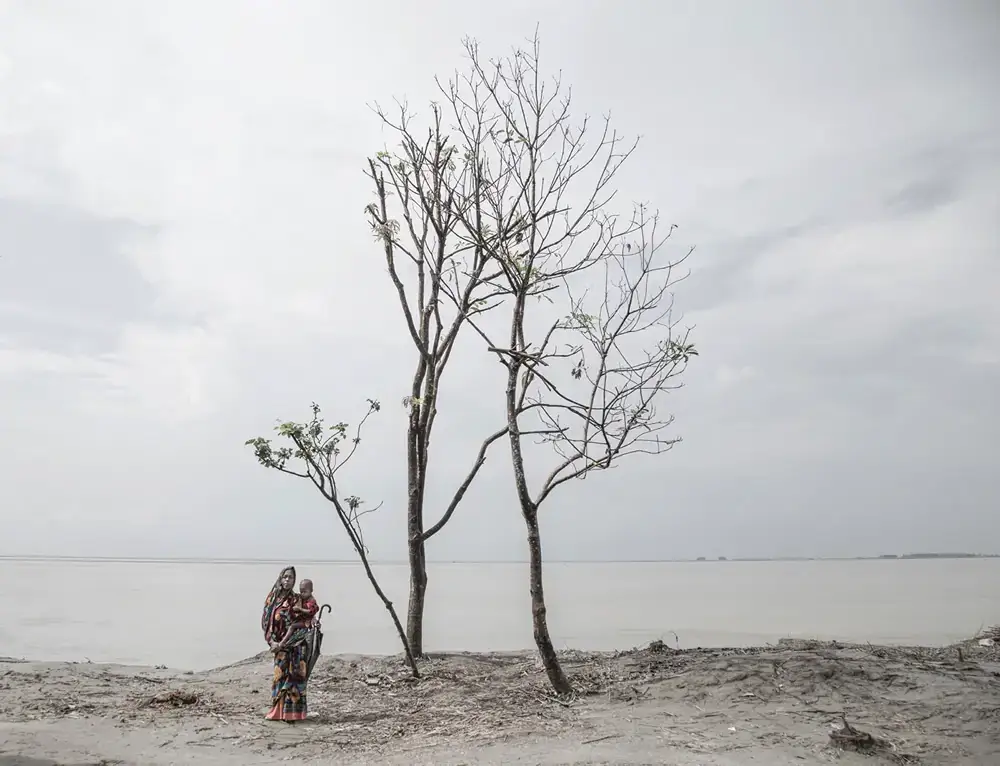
543	217
466	483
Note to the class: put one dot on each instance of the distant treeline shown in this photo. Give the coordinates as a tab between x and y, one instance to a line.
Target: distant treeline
866	558
940	556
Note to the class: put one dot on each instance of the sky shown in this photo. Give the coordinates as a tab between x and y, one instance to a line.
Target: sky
184	260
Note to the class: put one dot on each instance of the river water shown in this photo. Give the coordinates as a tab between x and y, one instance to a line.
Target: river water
205	614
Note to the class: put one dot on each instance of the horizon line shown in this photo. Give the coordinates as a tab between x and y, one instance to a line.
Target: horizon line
396	562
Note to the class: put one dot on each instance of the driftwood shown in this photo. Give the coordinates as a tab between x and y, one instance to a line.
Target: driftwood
848	737
172	698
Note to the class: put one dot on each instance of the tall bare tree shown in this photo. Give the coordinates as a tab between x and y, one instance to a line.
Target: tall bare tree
316	451
423	187
590	342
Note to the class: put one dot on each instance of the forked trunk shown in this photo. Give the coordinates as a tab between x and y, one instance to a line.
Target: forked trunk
539	622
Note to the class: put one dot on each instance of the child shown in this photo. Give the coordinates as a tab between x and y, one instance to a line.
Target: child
301	612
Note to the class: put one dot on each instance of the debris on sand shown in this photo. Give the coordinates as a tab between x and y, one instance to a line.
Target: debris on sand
937	704
989	638
171	697
657	646
848	737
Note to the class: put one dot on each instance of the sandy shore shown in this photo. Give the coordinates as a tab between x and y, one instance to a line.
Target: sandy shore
770	705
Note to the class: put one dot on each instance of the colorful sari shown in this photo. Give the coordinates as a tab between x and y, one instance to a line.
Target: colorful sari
291	662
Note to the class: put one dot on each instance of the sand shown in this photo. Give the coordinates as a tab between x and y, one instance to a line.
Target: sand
770	705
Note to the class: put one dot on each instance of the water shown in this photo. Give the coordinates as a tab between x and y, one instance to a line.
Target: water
202	615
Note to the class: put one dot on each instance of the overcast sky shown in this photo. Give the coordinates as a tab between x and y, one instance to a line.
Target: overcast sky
184	259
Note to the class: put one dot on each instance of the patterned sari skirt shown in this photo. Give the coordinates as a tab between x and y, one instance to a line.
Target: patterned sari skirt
288	687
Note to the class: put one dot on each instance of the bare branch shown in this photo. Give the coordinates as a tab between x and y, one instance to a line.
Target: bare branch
627	351
592	378
424	186
466	483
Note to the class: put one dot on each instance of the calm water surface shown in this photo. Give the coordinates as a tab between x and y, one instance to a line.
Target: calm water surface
201	615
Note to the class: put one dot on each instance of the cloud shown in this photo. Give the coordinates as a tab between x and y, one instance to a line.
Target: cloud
727	377
184	259
61	267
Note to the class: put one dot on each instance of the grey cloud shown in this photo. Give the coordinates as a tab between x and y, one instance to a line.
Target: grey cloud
921	368
721	270
853	190
923	195
67	285
936	174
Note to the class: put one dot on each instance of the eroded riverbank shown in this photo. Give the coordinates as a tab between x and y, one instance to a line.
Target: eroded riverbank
649	705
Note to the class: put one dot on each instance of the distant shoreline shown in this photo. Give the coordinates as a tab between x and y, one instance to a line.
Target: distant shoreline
395	562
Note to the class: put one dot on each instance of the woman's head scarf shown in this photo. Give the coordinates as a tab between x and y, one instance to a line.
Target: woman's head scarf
274	599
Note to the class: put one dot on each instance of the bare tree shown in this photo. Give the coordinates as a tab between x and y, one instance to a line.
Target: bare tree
317	452
590	341
422	189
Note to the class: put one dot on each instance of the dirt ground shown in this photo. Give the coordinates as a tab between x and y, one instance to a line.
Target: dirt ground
772	705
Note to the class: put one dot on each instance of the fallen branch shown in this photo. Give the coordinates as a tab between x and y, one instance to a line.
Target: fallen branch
849	738
172	697
600	739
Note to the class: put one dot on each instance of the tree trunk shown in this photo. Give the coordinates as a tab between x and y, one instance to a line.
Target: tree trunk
418	589
415	474
539	621
529	510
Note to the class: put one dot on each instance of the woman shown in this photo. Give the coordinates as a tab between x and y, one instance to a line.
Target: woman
291	660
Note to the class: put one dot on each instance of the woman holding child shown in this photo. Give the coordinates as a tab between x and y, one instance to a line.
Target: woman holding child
287	622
